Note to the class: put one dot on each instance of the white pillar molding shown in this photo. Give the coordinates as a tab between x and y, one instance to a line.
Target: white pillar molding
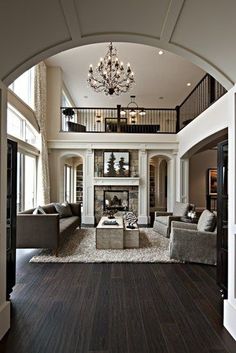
88	180
143	206
4	305
171	183
230	303
184	180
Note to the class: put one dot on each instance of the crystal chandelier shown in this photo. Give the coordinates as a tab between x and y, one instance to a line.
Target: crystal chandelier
110	76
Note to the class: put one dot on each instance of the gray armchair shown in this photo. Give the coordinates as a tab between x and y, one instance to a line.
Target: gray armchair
162	222
189	244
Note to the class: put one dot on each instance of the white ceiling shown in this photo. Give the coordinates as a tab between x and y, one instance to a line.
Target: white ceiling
202	31
156	75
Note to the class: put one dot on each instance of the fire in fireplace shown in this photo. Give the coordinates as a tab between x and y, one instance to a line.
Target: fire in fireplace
116	199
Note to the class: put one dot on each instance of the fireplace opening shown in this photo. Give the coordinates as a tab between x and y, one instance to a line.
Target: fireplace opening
116	200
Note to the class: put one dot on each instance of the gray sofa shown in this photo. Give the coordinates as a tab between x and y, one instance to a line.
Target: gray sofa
189	244
162	221
46	230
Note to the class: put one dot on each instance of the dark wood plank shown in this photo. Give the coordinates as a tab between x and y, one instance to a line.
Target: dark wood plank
178	311
99	340
151	321
118	339
137	340
115	308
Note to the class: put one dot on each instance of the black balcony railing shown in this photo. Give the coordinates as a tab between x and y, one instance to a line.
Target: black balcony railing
169	121
106	120
207	91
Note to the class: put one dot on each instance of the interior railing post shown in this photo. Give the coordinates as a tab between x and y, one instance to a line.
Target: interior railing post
118	117
177	109
211	89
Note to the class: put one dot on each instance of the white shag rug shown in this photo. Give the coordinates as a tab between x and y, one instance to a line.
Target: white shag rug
81	247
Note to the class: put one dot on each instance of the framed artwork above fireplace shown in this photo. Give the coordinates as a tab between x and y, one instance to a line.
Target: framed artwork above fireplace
116	199
116	164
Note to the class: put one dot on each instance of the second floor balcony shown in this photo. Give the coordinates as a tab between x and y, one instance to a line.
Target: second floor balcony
149	121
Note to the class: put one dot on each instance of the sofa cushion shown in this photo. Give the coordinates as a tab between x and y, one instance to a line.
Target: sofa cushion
180	209
39	210
63	209
206	222
50	209
67	225
163	219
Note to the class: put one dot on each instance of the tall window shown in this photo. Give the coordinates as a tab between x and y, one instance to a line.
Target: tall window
66	103
23	87
68	183
26	181
19	127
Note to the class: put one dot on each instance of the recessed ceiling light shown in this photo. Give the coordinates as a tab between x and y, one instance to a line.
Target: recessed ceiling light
161	52
85	97
189	84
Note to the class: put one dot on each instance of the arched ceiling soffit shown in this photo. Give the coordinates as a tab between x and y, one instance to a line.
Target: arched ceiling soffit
201	31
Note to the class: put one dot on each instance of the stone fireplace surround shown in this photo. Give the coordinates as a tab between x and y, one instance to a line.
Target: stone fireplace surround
131	184
99	201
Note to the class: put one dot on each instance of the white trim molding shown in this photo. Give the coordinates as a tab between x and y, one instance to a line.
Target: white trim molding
100	181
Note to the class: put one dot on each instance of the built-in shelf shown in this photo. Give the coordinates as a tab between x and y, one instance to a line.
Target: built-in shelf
111	181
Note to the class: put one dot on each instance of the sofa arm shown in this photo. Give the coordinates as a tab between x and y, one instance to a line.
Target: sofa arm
172	219
193	246
37	231
159	213
184	225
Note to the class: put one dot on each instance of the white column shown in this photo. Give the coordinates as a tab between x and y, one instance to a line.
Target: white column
4	305
230	303
184	180
143	216
88	180
171	183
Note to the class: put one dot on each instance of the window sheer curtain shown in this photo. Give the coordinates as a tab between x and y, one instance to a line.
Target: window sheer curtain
43	192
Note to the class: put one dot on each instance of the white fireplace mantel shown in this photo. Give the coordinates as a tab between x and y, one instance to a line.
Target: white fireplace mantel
116	181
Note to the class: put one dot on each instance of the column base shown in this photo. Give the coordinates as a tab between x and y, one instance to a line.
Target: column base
143	220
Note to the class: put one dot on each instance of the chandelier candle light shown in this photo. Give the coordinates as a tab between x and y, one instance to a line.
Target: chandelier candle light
110	76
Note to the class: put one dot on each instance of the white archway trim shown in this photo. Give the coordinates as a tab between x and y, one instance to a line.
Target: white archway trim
171	175
138	38
211	121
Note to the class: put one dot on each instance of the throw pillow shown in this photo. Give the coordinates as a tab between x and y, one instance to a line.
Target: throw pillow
207	222
39	210
63	209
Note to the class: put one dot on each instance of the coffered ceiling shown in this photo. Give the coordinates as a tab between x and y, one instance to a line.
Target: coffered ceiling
161	80
202	31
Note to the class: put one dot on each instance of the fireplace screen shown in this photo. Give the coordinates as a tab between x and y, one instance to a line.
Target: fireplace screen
118	200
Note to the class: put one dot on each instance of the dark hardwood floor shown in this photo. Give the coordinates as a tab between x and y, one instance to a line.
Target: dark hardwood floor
116	308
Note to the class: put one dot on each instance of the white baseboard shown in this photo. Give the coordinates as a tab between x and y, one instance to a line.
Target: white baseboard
4	318
230	318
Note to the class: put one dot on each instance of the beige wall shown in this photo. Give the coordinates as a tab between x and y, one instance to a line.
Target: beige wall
198	165
54	89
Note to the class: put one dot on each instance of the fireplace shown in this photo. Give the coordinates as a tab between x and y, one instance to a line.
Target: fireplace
127	194
116	200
